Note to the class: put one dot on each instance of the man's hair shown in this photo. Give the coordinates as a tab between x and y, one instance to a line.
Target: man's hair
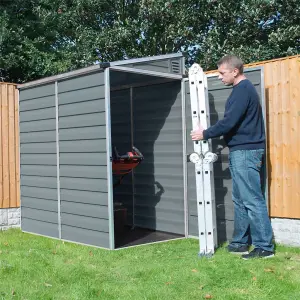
232	61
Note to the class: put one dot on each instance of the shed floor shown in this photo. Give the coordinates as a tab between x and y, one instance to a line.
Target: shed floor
139	236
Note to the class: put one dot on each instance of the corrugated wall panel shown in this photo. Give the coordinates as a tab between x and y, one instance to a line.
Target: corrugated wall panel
158	193
41	204
9	147
88	197
38	126
85	236
39	193
38	160
39	227
83	161
218	94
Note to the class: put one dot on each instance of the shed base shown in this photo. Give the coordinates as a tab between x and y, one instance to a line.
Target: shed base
139	236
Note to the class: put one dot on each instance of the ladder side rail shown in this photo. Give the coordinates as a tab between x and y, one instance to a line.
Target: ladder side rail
198	165
207	166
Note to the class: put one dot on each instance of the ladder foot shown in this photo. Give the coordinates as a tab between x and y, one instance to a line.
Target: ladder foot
206	255
201	254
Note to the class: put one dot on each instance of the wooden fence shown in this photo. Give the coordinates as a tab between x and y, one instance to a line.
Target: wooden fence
282	96
282	80
9	147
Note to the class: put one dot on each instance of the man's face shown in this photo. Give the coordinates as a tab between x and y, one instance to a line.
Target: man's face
227	74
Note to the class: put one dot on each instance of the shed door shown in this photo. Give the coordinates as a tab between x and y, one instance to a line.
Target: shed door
218	94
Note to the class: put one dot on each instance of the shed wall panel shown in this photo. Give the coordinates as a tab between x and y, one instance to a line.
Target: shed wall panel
40	227
40	181
37	92
85	236
83	133
85	120
39	148
84	184
88	197
38	160
93	172
36	170
84	209
80	146
36	192
87	158
42	204
38	114
81	82
83	160
84	94
40	125
38	137
83	107
37	103
39	215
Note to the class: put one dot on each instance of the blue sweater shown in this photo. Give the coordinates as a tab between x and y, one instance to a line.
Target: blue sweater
242	126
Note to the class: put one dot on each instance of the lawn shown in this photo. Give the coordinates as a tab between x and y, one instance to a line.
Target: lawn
33	267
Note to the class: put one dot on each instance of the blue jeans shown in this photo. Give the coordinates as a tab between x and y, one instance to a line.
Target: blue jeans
251	220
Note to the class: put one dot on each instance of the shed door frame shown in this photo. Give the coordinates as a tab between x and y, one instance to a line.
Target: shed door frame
145	72
108	90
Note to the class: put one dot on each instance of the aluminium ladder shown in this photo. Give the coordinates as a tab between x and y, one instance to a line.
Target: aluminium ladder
203	159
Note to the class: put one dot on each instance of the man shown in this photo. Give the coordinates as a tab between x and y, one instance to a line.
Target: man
243	131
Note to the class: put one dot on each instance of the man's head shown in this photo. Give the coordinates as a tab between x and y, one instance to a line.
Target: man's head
230	69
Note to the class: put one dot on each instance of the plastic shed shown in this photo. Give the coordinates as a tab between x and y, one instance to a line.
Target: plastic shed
69	125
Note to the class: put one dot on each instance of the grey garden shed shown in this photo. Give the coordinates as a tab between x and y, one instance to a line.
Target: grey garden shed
69	127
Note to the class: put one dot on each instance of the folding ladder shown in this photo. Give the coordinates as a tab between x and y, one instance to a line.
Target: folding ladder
203	159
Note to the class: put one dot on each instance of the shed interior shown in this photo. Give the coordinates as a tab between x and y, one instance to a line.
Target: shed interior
146	112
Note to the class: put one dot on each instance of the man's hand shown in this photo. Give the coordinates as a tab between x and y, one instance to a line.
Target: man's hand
197	134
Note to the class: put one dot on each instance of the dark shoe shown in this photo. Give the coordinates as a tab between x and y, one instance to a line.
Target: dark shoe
258	253
238	250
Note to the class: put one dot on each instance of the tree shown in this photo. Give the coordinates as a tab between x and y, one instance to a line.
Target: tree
41	37
45	37
253	29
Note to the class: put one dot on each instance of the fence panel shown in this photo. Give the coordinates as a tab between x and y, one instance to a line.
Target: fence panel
282	97
282	79
9	147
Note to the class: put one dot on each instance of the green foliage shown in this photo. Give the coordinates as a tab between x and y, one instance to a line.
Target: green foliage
40	38
255	30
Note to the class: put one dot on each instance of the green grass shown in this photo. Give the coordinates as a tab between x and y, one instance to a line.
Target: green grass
33	267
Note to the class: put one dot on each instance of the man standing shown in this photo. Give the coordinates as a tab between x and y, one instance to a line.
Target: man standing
243	131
